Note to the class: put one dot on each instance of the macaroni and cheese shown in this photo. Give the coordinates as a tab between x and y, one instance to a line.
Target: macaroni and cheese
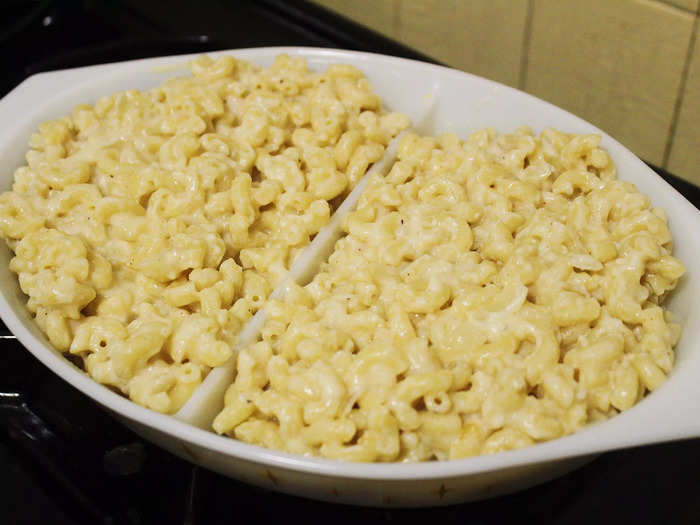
488	294
149	227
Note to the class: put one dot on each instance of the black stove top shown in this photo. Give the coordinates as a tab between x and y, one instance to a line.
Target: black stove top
66	461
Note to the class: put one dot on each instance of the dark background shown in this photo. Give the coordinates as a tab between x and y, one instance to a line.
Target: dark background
66	461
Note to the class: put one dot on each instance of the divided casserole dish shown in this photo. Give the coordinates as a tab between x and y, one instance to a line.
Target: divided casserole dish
437	100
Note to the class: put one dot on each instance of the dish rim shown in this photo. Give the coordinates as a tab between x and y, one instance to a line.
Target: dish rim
611	434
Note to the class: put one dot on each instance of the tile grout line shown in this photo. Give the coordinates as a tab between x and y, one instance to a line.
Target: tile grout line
668	4
681	92
527	34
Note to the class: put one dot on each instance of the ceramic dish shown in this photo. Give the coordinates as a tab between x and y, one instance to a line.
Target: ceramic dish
437	99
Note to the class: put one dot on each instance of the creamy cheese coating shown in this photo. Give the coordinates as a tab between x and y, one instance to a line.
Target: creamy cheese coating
488	294
149	227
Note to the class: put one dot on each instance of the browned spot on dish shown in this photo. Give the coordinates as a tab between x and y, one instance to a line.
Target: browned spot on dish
190	453
442	491
269	475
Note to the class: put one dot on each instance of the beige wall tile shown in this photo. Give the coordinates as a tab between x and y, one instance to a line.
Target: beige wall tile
685	149
617	64
688	5
489	38
379	15
428	26
483	37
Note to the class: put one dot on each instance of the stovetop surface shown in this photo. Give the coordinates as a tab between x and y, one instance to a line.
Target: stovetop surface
66	461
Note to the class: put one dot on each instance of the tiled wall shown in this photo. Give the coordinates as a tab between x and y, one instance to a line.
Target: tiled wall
631	67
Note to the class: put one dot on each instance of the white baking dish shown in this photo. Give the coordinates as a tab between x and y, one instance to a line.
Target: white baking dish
438	99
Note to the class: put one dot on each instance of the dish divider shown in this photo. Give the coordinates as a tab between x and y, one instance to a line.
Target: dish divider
208	398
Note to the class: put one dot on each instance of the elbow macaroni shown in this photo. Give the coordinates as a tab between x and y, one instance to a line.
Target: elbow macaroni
149	227
489	294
